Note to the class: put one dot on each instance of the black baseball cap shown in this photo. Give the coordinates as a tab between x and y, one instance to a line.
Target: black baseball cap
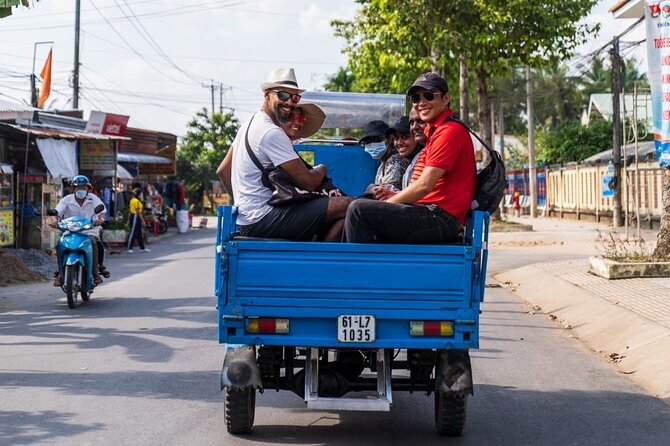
429	81
400	126
373	129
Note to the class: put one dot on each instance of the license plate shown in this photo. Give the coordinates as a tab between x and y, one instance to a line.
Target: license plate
355	328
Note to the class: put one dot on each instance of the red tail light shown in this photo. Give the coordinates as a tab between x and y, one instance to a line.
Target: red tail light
431	328
266	325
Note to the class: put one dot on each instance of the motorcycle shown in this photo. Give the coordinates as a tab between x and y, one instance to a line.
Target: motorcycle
161	221
76	256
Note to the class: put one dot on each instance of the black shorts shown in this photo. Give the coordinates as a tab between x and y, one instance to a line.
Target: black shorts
298	222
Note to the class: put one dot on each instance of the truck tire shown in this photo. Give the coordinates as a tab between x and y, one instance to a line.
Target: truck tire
450	410
239	408
71	284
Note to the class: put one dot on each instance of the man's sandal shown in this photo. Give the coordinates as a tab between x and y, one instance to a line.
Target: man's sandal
104	272
57	281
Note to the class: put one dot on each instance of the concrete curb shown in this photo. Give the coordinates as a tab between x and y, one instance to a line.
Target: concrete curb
638	347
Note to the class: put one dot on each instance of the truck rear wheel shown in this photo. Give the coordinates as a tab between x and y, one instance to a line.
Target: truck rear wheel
450	410
239	408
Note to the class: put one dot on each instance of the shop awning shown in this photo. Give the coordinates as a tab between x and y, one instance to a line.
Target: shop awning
46	132
128	157
14	110
6	168
121	173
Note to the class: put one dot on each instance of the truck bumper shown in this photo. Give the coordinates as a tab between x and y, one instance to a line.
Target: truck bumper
240	370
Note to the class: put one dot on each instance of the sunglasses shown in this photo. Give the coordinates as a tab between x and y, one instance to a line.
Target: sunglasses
298	118
285	96
427	95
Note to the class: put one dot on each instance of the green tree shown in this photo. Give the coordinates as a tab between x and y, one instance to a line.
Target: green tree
201	150
572	141
343	80
390	42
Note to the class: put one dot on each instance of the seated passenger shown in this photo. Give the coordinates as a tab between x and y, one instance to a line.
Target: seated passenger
379	147
433	208
416	127
271	145
405	144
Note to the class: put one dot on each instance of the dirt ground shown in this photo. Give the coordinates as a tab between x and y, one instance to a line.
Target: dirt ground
14	271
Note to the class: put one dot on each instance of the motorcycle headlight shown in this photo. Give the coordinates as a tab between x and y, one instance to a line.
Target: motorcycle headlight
74	226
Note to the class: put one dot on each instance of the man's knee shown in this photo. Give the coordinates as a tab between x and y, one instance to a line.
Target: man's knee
337	207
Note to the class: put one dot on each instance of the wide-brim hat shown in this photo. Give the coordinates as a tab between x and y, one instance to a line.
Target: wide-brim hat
314	119
373	129
283	78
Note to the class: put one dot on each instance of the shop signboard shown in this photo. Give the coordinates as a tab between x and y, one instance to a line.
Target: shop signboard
162	169
96	154
657	18
6	227
107	123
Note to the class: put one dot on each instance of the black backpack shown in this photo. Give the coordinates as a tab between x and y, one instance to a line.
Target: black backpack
491	180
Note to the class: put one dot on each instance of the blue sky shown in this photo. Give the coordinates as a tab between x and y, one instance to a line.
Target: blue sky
150	58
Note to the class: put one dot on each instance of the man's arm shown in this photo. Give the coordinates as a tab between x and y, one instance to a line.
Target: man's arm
304	177
224	171
420	188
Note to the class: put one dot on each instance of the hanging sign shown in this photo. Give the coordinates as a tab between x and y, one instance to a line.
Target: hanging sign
657	18
607	182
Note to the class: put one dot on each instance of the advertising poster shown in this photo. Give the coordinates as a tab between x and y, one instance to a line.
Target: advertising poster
657	18
96	155
6	228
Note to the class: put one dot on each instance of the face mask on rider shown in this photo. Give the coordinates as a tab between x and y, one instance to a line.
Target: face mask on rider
376	149
81	193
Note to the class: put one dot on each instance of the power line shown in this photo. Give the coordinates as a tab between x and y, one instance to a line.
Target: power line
163	13
131	47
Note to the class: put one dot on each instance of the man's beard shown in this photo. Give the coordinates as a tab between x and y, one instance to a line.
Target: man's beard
278	115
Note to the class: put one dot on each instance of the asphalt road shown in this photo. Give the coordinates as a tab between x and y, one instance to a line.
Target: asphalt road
139	365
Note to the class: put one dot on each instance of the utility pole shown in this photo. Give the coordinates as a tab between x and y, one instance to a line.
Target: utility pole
532	175
221	98
212	89
616	138
75	74
501	129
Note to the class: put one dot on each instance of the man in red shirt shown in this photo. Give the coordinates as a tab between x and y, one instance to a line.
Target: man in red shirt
434	207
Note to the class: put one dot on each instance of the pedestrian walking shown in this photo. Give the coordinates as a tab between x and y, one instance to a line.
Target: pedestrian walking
136	221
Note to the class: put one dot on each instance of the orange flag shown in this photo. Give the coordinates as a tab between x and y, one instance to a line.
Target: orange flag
45	74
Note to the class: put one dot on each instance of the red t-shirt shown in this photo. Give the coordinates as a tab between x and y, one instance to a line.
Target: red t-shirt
449	147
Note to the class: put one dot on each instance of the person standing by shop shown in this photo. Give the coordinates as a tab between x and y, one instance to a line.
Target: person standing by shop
136	221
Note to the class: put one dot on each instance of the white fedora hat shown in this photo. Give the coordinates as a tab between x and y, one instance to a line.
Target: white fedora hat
314	119
284	78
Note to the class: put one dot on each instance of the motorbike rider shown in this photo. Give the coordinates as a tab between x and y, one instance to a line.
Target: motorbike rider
82	203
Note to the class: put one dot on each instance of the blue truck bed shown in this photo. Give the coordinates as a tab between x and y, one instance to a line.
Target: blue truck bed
311	283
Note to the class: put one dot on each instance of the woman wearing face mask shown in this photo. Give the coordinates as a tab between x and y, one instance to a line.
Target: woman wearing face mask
392	167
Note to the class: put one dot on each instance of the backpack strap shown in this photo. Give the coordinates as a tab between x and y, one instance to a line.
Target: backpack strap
250	152
451	118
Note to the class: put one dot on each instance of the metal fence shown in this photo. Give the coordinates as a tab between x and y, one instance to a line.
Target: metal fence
576	191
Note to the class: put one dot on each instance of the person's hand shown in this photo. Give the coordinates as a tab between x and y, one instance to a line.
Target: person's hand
321	167
99	222
53	224
382	193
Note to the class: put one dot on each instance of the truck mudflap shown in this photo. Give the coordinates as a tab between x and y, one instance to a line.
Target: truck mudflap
240	370
453	372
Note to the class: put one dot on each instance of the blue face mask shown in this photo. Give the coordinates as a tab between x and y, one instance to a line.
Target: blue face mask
81	194
376	149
